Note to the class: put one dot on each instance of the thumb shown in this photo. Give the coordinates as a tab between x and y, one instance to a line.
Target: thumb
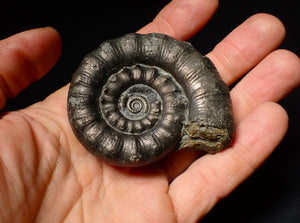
26	57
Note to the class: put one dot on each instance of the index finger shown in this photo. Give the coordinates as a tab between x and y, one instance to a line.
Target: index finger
182	19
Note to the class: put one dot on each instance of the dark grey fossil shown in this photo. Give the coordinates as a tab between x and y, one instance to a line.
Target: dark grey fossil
138	97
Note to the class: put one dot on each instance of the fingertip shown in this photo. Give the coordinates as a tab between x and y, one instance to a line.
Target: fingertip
287	66
26	57
267	23
47	55
289	63
182	18
39	48
284	117
278	117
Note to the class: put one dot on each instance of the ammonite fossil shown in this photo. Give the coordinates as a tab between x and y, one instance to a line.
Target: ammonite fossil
138	97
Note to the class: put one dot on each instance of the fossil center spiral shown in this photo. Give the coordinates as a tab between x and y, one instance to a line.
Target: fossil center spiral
136	104
137	101
134	99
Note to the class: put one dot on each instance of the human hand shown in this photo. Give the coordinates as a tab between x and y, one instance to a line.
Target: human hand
47	176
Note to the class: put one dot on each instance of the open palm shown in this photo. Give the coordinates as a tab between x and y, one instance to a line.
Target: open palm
47	176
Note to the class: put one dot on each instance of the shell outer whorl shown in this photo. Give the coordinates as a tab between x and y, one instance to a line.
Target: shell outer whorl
136	98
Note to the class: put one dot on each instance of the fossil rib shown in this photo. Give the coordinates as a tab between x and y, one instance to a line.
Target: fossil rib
138	97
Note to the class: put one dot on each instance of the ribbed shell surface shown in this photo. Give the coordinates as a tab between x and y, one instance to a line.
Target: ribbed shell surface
138	97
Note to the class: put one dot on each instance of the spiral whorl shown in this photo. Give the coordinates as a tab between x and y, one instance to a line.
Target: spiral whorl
136	98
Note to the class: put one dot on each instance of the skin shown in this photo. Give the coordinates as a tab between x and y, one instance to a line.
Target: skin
47	176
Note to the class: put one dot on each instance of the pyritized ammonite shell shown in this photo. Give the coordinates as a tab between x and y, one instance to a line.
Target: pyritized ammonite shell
138	97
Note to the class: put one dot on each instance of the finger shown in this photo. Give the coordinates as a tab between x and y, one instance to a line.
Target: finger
26	57
182	18
239	51
244	47
271	80
213	177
